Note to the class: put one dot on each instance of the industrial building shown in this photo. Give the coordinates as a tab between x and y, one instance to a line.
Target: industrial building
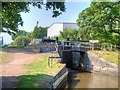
55	28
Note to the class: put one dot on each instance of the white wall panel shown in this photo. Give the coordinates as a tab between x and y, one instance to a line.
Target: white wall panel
70	25
54	30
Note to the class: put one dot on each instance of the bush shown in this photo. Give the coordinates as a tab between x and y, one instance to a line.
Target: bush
22	41
5	46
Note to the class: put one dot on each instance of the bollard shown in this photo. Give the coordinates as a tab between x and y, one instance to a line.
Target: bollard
68	39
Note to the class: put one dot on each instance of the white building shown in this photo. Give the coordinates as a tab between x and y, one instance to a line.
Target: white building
55	28
5	39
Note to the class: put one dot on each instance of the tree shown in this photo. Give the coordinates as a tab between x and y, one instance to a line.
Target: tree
11	17
22	41
68	32
100	21
39	32
21	33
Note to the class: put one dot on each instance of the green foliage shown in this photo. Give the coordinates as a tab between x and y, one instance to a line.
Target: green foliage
21	33
54	38
11	17
39	32
68	32
22	41
100	21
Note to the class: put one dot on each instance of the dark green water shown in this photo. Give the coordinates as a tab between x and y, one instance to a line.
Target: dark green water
91	80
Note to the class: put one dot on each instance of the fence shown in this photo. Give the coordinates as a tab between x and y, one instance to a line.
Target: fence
104	46
46	47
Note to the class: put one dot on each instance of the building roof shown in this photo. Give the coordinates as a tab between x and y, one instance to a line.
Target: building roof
63	23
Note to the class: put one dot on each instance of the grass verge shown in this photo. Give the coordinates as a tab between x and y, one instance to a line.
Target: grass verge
111	56
4	57
38	74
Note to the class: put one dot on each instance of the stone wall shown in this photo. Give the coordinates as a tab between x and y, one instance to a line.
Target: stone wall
42	47
101	65
60	79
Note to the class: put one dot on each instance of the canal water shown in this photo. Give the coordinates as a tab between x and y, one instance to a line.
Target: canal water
91	80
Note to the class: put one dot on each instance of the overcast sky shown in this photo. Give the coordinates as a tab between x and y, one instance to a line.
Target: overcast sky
45	17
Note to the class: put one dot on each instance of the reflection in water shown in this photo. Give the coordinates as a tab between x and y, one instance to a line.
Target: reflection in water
91	80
